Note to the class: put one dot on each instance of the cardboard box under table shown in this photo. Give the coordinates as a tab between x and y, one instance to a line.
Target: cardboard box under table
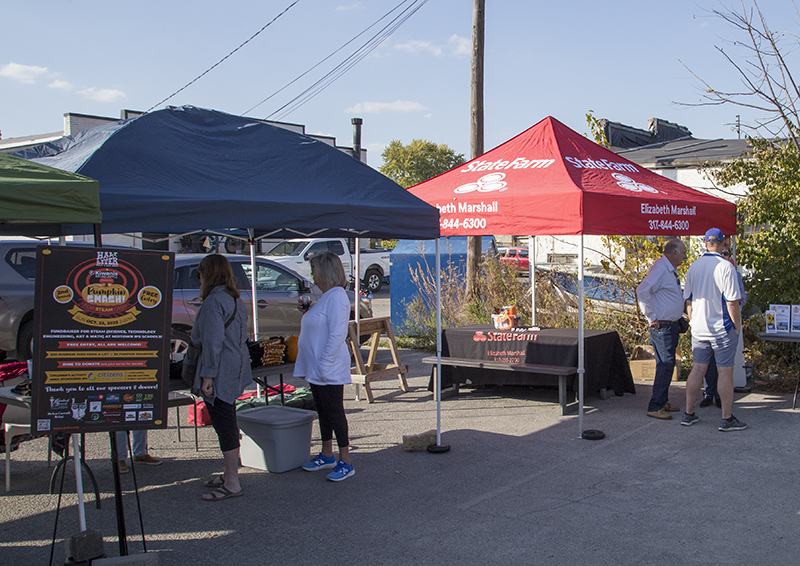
275	438
643	364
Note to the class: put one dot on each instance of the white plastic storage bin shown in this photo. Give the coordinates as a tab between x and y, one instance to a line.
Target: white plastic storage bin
275	438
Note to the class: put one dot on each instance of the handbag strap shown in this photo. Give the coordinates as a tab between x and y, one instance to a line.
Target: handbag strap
230	320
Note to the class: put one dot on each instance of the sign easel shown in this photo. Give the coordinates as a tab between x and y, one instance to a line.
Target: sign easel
366	373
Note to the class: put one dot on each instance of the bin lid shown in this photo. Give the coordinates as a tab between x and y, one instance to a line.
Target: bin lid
276	415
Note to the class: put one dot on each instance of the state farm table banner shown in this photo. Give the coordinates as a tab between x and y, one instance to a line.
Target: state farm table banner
102	339
507	346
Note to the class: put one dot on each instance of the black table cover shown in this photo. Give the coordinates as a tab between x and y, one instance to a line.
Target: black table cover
604	357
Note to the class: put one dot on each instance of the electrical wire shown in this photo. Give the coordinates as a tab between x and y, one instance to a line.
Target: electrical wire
365	49
204	73
290	83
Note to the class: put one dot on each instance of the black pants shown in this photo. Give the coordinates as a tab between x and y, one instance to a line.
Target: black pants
329	400
223	419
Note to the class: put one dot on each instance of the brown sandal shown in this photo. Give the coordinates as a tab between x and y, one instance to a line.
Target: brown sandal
222	493
215	481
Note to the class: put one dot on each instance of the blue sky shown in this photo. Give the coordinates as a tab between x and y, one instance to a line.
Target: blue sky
621	59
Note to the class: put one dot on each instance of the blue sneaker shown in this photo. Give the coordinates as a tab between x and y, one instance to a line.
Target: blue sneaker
320	463
342	472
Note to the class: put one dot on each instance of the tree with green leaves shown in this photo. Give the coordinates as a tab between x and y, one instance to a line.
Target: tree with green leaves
409	165
769	235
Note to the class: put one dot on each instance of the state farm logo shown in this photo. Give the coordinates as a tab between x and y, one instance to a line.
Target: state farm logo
486	184
629	184
479	337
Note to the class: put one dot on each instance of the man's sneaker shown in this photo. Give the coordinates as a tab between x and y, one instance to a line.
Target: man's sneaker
732	424
669	407
706	401
320	463
123	467
689	420
147	460
718	402
659	414
342	472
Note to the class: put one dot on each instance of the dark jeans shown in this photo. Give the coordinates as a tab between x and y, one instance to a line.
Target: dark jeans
664	341
711	379
329	400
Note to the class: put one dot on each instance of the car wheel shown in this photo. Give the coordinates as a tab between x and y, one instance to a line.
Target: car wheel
179	343
373	280
25	342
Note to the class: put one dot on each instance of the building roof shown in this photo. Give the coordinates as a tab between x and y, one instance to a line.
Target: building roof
689	152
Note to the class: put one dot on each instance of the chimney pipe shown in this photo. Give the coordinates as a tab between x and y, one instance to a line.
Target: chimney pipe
357	137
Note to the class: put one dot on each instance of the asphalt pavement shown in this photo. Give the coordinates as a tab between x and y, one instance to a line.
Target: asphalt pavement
518	486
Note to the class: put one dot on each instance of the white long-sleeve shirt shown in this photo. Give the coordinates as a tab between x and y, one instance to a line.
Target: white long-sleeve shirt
322	355
659	294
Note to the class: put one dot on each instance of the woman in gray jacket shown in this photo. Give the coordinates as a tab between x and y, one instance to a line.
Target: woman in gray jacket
223	370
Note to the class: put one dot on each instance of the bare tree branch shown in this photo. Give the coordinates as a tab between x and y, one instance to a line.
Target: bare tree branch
769	83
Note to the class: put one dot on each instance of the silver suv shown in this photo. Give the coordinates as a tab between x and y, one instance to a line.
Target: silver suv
277	288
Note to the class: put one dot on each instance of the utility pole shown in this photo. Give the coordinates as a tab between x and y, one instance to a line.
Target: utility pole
476	136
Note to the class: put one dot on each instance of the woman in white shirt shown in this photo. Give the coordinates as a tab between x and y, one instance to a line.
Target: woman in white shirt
324	361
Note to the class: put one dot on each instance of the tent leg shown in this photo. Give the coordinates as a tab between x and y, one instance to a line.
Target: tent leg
438	448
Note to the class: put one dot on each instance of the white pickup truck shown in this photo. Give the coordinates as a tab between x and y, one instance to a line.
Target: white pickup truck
295	255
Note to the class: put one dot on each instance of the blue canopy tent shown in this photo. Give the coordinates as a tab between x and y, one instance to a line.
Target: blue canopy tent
186	169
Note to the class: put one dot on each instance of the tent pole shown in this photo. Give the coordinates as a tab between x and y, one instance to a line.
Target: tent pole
438	448
532	275
253	274
581	369
357	285
98	236
438	384
254	297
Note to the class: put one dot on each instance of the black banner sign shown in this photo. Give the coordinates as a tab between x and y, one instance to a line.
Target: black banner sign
102	339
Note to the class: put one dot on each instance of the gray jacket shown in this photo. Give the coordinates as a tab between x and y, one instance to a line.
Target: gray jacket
225	357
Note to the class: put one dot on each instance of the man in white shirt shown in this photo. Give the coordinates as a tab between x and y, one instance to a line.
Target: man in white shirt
712	298
661	301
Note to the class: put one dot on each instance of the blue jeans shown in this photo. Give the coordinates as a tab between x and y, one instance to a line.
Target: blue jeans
664	341
138	441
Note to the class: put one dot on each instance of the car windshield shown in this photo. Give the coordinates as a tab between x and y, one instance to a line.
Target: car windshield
288	248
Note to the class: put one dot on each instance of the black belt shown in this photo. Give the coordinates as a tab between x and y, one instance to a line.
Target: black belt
666	322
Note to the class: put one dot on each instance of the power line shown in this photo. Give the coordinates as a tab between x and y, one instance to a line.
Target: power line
204	73
290	83
365	49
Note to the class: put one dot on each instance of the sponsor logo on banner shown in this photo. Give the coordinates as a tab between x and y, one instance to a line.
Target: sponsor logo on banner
486	184
630	185
514	334
516	163
59	404
601	164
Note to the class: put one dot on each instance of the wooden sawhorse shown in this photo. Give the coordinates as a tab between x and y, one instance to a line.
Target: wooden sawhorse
364	374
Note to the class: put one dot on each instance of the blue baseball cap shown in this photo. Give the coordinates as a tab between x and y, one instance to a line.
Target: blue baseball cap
715	235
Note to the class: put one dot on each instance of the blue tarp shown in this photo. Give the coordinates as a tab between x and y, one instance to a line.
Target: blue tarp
420	255
183	169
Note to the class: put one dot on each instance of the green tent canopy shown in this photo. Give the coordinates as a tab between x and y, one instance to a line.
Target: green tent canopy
36	200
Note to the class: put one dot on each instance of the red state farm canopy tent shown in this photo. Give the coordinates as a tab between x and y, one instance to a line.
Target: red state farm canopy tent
550	180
